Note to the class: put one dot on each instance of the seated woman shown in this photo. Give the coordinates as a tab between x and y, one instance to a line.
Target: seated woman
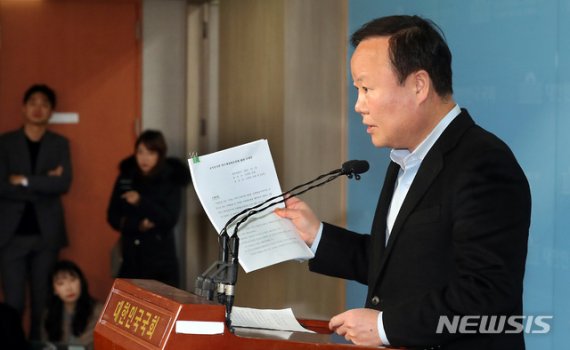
71	313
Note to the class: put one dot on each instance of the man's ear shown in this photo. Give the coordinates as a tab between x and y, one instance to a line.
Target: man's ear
422	84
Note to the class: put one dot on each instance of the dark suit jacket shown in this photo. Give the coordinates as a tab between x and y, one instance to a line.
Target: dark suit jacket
458	245
43	190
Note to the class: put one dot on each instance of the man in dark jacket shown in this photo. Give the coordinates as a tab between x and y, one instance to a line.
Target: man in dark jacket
35	170
449	237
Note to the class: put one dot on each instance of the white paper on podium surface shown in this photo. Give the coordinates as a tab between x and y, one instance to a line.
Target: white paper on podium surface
199	327
281	320
237	178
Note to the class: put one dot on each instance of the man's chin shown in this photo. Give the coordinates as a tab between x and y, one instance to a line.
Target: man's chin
378	143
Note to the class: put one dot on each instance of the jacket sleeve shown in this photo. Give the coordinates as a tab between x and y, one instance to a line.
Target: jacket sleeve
163	211
116	211
122	216
54	185
7	190
342	253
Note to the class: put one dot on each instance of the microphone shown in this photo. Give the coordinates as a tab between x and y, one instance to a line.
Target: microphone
355	168
224	277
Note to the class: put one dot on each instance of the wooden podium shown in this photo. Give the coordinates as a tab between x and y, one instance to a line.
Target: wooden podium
142	314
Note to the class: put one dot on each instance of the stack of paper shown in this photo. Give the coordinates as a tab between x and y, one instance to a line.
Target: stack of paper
281	320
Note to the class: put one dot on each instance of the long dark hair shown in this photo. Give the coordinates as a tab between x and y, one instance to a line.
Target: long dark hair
83	309
154	141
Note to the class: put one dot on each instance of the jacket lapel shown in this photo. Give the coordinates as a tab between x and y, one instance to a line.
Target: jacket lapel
431	166
429	169
21	148
379	225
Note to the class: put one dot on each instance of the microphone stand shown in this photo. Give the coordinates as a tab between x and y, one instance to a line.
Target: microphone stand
229	287
220	278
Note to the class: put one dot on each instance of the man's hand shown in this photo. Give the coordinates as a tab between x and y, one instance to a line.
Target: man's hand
359	326
58	171
303	218
146	225
132	197
17	180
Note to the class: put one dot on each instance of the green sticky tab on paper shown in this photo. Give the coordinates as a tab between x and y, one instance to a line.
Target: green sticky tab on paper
195	158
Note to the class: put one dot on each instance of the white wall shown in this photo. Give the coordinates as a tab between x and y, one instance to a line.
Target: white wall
164	71
164	26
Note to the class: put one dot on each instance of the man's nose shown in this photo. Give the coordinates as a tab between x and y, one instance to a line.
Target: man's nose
359	105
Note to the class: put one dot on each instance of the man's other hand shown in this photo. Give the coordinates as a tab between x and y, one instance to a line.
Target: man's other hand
359	326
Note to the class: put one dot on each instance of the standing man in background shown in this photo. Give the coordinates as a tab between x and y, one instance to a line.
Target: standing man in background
35	170
449	237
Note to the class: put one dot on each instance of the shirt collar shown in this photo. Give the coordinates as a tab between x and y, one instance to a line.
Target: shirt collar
405	158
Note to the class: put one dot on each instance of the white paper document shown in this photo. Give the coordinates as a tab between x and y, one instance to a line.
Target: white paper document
281	320
199	327
237	178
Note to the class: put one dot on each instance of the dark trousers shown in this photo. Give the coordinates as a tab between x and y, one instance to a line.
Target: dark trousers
11	331
24	260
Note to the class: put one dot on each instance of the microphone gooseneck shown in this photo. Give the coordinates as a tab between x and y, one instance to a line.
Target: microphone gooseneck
350	168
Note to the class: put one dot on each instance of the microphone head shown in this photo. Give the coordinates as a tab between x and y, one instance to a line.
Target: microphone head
355	167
